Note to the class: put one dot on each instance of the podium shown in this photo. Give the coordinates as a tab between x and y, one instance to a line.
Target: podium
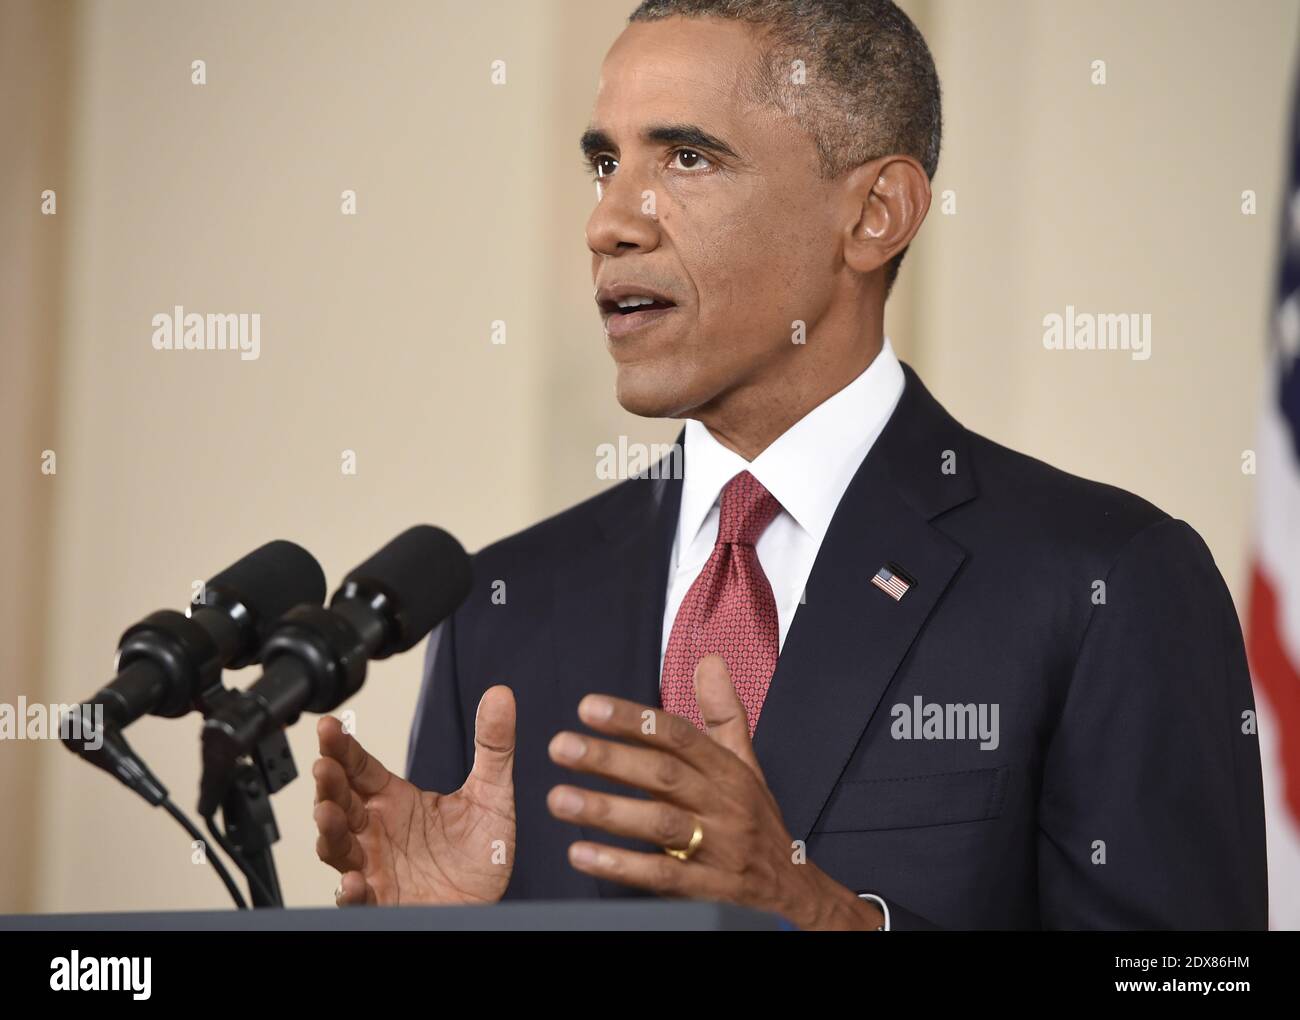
629	915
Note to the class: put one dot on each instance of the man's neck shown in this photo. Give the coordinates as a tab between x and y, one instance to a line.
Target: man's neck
751	418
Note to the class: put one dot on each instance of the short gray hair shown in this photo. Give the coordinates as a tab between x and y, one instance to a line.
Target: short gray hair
871	88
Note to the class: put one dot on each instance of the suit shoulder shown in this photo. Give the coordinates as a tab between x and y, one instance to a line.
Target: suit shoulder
1059	509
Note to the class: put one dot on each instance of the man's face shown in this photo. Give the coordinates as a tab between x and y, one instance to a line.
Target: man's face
710	202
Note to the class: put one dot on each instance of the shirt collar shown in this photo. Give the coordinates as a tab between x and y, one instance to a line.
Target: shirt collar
808	467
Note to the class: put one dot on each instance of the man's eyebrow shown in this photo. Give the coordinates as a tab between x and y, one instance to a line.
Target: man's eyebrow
595	140
689	135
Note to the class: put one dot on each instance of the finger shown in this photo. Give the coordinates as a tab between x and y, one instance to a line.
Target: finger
365	773
355	891
657	772
651	821
335	843
332	787
494	737
723	711
658	873
652	727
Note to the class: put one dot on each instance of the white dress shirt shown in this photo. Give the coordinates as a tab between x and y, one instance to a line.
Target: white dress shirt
807	468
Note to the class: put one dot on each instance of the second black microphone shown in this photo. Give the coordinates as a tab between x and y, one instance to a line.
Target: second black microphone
315	658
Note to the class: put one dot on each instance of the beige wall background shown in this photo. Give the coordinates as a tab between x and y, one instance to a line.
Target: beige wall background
376	327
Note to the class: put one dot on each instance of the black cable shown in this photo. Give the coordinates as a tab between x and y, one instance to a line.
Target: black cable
213	859
254	879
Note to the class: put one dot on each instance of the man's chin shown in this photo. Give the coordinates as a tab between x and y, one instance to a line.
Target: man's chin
651	394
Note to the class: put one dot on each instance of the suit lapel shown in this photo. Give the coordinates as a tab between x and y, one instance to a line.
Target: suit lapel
849	637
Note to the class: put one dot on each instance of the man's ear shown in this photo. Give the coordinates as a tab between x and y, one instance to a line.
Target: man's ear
887	201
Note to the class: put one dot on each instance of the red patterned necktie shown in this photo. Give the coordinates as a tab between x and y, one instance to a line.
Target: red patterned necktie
729	610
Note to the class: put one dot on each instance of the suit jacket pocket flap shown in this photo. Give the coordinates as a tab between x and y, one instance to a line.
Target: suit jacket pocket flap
940	798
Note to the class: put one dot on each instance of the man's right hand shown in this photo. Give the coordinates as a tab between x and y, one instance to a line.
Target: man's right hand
394	843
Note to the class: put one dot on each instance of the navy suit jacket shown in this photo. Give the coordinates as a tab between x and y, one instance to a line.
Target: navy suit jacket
1124	790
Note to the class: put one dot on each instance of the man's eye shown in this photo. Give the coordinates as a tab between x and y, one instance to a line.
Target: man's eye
690	159
601	165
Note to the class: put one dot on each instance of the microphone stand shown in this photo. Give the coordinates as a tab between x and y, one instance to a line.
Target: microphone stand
247	816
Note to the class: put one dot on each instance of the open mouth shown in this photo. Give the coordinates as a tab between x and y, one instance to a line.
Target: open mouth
633	305
631	312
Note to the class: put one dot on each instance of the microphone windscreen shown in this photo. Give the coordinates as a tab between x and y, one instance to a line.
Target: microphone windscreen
423	574
270	581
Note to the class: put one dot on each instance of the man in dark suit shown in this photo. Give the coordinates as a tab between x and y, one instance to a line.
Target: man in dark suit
844	659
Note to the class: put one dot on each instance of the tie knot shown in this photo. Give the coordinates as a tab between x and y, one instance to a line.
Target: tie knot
747	510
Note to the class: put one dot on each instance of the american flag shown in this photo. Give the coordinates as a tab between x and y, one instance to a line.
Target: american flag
891	583
1273	618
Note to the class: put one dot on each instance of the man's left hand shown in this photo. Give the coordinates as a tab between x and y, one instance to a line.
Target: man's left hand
746	856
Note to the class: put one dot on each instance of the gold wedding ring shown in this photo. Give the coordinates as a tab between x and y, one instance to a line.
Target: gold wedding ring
697	837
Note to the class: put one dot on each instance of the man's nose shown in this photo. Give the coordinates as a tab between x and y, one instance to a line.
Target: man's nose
624	219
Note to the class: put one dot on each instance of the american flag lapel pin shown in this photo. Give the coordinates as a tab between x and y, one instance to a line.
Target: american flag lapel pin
892	581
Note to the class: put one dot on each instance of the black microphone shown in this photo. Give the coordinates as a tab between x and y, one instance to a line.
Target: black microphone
315	658
170	663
